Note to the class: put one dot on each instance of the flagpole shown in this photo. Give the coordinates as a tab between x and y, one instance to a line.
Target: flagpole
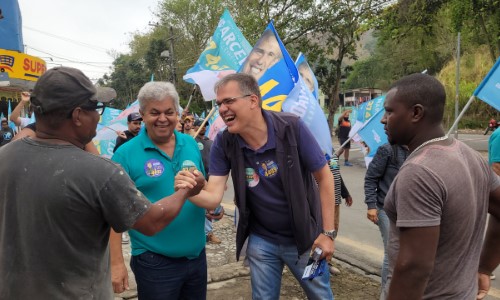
350	138
455	124
191	97
205	121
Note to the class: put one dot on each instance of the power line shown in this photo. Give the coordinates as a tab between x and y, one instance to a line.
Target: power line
94	47
67	59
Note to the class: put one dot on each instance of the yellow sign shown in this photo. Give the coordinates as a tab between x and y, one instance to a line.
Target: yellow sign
21	66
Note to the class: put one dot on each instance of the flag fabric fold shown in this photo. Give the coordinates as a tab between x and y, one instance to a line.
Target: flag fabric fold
224	54
489	89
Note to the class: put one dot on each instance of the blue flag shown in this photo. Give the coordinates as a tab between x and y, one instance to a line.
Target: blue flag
373	134
489	89
307	75
12	125
225	53
273	68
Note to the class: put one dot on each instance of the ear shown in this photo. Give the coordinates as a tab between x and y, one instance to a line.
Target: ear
418	112
254	101
142	113
76	115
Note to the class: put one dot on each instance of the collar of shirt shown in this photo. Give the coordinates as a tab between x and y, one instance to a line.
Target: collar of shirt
271	138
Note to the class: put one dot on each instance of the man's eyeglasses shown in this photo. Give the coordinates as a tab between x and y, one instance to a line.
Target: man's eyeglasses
229	101
97	106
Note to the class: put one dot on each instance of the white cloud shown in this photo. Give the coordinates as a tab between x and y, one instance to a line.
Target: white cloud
51	28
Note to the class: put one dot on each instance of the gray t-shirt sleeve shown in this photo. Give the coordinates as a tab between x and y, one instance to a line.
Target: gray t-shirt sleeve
420	196
121	202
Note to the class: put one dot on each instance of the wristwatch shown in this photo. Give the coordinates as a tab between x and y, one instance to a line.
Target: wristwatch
330	233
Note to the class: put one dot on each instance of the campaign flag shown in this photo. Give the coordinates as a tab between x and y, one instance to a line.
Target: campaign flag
12	125
1	116
307	75
373	133
489	89
224	54
364	112
273	68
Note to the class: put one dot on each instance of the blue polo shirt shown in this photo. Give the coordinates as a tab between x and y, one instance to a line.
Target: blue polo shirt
153	172
494	147
270	213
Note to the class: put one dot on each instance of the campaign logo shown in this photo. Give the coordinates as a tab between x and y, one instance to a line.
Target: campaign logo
154	168
251	177
268	169
200	146
7	136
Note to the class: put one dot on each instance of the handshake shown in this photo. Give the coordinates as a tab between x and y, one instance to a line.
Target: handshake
189	178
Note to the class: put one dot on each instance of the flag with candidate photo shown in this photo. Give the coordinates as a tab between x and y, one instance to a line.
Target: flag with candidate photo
489	89
270	64
364	112
307	75
225	53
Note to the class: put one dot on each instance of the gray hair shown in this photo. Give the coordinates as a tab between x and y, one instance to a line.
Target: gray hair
157	91
247	84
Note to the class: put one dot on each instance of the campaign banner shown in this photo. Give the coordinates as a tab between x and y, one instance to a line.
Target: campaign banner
373	133
271	65
307	75
225	53
489	89
363	113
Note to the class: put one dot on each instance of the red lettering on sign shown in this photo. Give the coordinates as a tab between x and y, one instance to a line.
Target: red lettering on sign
34	66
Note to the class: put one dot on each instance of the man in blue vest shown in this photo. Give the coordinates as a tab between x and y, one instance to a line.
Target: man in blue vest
273	159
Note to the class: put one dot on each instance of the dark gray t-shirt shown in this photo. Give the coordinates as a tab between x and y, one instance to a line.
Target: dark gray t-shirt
449	187
57	206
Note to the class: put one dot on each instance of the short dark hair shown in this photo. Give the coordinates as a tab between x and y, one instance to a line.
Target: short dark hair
53	119
247	84
422	89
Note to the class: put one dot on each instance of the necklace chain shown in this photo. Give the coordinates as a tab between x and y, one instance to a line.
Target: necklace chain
442	138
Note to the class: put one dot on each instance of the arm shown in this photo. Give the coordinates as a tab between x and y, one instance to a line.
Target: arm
24	133
375	171
496	168
16	113
415	261
211	196
490	255
119	272
164	211
344	192
91	148
326	192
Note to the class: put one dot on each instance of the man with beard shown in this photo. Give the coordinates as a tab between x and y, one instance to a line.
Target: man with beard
438	203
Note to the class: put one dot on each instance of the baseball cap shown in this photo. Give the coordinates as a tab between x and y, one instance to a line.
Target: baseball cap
66	88
198	122
189	117
135	116
4	120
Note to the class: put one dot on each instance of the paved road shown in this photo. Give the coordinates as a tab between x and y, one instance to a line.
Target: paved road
359	240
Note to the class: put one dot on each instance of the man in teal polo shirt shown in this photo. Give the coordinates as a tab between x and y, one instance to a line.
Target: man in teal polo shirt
177	253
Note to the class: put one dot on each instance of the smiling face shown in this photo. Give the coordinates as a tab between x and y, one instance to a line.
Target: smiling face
263	56
160	119
235	109
397	119
307	76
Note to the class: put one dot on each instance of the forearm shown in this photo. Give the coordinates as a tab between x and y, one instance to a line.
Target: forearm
490	255
326	194
16	114
206	200
115	248
409	281
161	213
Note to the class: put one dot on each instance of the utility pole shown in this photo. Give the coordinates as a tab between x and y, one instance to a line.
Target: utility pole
172	57
457	84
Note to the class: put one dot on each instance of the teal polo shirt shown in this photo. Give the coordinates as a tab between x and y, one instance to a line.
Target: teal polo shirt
494	147
153	172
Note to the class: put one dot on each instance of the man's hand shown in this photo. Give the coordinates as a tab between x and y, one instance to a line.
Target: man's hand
372	215
121	134
484	282
325	243
25	97
209	215
348	201
184	180
119	277
199	184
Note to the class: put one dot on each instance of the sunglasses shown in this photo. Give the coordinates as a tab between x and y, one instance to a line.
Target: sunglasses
92	105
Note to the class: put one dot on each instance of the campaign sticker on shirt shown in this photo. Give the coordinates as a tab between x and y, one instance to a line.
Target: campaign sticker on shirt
7	136
251	177
154	168
268	168
200	146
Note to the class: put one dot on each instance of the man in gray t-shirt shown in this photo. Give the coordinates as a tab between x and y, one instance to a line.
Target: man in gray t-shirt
59	202
438	202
